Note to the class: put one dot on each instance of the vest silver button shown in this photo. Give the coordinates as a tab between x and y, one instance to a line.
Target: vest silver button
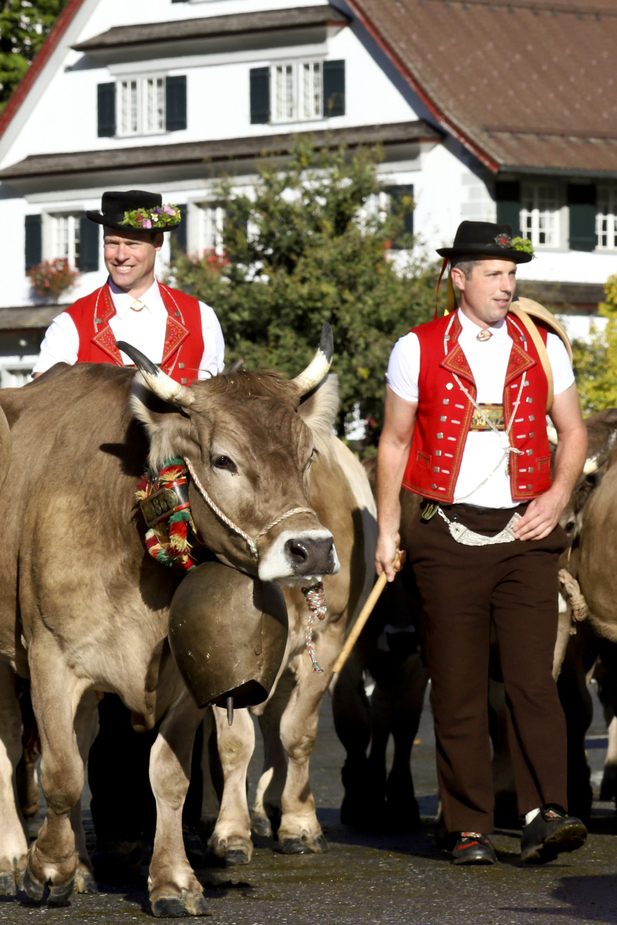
449	385
440	436
436	469
433	486
443	418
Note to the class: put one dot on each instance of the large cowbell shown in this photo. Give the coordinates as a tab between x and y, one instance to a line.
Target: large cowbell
227	633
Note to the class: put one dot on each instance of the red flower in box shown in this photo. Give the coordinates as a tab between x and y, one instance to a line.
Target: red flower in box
51	278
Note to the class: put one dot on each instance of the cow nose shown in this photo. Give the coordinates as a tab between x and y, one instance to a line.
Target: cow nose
311	556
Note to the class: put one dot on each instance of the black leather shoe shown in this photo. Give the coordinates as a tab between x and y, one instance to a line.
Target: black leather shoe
549	833
473	848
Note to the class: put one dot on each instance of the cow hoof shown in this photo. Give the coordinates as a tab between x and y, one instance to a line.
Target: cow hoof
32	887
261	826
179	906
85	882
236	856
60	894
295	844
7	883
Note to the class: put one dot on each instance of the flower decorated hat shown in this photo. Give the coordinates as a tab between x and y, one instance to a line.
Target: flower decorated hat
487	239
137	211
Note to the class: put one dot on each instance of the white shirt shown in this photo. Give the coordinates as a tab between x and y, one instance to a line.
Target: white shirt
144	329
488	360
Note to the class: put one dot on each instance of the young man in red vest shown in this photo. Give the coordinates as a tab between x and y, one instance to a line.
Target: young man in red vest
465	429
172	329
184	336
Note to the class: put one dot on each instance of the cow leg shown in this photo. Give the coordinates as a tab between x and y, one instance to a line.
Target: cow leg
86	729
608	788
56	694
352	721
231	839
211	777
266	811
174	888
13	840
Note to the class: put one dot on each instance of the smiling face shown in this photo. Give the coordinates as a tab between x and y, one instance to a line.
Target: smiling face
487	294
130	257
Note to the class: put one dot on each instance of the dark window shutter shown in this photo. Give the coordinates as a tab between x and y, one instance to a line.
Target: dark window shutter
260	94
175	103
582	207
397	195
89	236
508	196
106	110
333	88
178	237
34	241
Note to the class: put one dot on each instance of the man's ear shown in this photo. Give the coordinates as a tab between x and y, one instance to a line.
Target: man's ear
458	278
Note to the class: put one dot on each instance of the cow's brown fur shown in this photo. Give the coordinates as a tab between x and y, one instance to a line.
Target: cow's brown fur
83	608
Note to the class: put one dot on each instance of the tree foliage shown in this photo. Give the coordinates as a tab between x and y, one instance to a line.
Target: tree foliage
305	249
24	26
595	364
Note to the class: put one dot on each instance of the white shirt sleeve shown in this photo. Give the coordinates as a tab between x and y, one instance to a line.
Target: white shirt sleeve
404	367
60	344
563	375
213	359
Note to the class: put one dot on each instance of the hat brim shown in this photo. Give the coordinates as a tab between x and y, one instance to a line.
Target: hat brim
488	252
115	221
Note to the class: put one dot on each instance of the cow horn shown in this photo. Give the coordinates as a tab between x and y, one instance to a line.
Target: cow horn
157	381
551	433
318	368
593	463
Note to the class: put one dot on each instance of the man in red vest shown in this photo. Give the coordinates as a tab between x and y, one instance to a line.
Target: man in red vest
465	429
184	337
173	329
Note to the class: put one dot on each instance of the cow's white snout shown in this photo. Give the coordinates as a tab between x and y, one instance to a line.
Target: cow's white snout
295	557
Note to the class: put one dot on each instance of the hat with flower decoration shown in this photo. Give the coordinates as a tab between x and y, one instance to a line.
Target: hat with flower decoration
487	239
136	210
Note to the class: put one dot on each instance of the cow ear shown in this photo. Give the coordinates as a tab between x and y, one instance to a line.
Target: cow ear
168	426
319	409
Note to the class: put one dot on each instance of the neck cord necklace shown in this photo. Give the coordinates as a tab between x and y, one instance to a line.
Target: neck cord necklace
506	450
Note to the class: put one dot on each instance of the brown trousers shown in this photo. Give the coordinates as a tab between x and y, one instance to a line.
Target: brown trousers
465	589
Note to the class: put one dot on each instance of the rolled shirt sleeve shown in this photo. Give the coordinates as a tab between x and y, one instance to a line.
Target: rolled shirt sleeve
60	344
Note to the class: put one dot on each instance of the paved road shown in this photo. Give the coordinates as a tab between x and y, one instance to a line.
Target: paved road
381	880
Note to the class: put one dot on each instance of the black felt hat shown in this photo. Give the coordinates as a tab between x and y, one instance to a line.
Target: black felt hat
115	205
484	239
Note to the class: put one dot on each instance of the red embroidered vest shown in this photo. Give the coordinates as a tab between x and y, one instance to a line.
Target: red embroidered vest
444	415
184	343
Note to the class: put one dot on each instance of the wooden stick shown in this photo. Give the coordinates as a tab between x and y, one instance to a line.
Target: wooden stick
363	617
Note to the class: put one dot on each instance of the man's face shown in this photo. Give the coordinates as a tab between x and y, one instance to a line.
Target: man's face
487	294
129	258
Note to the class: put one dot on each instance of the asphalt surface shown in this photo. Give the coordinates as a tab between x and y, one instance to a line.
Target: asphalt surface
380	879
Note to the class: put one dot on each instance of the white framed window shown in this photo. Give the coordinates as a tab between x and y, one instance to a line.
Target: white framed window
141	105
62	236
15	374
205	228
297	91
606	218
540	212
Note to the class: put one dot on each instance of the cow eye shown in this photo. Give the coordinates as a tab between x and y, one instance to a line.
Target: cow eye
224	462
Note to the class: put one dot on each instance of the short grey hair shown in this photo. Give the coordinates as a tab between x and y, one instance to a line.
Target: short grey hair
465	265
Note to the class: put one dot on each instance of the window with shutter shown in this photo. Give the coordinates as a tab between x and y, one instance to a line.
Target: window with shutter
34	241
401	203
260	95
106	103
333	88
539	215
175	95
508	196
178	237
89	235
606	218
582	212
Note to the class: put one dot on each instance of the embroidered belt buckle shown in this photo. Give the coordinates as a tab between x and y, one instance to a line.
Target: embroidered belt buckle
165	502
487	414
429	510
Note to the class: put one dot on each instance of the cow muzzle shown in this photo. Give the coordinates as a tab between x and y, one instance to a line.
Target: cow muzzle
300	558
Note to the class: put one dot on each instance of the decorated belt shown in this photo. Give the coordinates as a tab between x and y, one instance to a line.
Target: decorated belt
483	414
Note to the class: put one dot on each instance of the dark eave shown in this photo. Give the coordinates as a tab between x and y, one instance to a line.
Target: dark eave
563	296
201	152
29	317
215	27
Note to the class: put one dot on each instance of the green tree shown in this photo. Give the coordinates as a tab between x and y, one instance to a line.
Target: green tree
24	26
305	249
595	364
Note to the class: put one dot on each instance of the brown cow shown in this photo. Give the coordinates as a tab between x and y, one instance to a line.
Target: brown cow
83	607
284	804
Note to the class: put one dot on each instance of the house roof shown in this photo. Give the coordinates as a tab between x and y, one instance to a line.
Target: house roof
526	84
215	27
46	165
580	296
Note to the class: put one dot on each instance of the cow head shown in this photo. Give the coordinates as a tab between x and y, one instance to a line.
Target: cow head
250	440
